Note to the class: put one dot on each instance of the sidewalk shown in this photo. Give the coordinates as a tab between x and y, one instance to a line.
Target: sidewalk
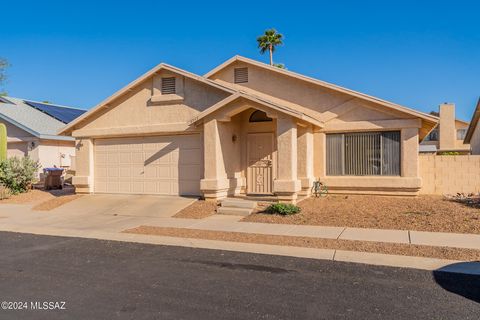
21	216
61	222
233	224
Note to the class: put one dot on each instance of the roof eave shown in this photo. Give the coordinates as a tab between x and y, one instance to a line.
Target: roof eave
69	127
331	86
473	123
299	115
19	125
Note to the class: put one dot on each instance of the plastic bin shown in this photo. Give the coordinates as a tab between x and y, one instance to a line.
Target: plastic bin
53	178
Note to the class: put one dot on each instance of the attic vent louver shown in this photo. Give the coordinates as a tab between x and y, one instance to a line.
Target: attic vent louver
241	75
168	85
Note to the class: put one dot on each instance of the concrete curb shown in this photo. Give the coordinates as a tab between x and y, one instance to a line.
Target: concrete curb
430	264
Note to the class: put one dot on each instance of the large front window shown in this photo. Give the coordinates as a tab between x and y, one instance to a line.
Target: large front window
363	154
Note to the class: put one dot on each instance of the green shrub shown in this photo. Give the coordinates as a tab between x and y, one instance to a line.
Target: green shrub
18	174
449	153
285	209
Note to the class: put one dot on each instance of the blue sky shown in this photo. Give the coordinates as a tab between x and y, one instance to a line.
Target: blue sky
415	53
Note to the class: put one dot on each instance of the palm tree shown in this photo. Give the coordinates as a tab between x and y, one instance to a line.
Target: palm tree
268	41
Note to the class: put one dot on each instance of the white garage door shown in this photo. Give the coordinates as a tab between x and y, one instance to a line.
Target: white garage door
170	165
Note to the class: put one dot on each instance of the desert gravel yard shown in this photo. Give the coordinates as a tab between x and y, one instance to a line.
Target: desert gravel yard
422	213
308	242
43	200
37	196
198	210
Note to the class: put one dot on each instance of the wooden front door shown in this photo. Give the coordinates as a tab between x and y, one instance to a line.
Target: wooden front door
260	163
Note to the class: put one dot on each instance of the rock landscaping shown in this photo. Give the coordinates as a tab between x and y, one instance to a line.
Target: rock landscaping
422	213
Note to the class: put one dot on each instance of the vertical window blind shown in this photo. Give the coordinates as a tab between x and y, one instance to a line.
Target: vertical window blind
363	154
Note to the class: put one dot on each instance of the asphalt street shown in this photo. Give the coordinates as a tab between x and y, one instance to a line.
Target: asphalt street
97	279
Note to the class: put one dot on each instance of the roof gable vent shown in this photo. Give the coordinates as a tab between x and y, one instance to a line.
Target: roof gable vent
241	75
168	85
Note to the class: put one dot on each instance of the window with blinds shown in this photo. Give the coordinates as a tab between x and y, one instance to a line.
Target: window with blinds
168	85
363	154
240	75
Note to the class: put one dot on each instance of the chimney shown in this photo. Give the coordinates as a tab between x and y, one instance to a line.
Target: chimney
447	126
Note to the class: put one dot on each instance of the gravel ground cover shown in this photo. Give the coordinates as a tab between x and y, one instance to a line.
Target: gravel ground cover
38	196
422	213
198	210
364	246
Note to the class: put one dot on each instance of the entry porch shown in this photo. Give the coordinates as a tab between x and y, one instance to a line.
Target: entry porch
257	150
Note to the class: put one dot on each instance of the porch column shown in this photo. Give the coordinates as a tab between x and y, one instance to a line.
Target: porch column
84	164
409	153
215	183
305	159
286	186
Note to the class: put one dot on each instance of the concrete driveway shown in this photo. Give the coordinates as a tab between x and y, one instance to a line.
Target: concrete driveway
127	205
111	213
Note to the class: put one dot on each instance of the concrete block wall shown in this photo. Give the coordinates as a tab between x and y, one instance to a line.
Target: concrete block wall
449	174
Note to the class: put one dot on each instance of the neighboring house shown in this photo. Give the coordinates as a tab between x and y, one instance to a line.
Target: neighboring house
246	128
32	130
448	135
473	133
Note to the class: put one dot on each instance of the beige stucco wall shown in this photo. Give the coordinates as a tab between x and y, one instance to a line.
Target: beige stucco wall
341	113
134	113
83	179
55	153
15	134
17	140
141	112
314	99
47	152
225	156
17	149
459	145
449	174
447	128
475	141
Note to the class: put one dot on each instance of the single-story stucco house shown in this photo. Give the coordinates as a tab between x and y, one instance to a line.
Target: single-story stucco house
32	130
246	128
473	133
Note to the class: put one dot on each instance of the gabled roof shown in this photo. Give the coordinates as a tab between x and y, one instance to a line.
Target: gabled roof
462	121
473	123
131	85
39	124
423	116
260	100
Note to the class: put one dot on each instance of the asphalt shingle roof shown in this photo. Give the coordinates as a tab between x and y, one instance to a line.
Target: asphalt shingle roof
30	119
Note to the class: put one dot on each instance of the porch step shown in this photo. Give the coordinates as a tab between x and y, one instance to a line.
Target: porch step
259	198
239	203
237	207
234	211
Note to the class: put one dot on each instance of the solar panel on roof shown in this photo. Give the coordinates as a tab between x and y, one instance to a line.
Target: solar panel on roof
62	114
